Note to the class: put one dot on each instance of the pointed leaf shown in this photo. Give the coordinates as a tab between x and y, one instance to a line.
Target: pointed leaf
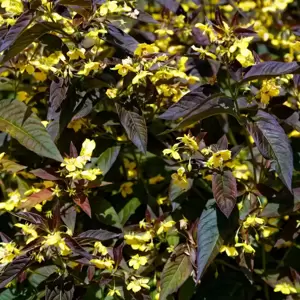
171	5
13	269
135	127
33	218
36	198
44	174
128	210
271	69
68	215
225	192
13	33
176	271
273	144
98	234
31	134
83	202
209	238
107	214
11	166
27	37
188	103
41	274
60	289
107	158
82	3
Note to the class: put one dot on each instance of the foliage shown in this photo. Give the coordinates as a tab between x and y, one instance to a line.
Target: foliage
149	150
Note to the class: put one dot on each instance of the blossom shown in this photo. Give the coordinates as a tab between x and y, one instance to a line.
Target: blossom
230	251
113	292
252	221
130	166
156	179
87	148
14	199
189	141
138	241
218	158
99	248
28	229
111	93
88	67
180	179
8	251
91	174
145	49
76	53
105	263
126	189
165	226
268	90
12	6
136	284
55	239
204	53
125	67
247	248
173	152
285	288
136	261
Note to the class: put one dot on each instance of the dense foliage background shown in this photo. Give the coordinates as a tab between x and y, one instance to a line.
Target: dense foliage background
150	150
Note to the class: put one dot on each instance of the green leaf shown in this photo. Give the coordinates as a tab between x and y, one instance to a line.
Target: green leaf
175	190
128	210
40	274
135	127
7	294
209	238
225	191
31	133
176	271
11	166
27	37
106	159
273	144
107	214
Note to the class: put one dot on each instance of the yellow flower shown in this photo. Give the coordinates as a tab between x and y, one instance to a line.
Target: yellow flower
252	221
125	67
12	6
56	191
108	7
90	174
143	224
111	93
87	148
173	152
241	171
72	163
285	288
106	263
28	229
13	201
204	53
136	284
23	96
88	67
165	226
114	291
130	166
180	179
246	5
156	179
55	239
218	158
40	76
247	248
99	248
2	155
230	251
126	189
267	231
136	261
138	241
76	53
207	29
8	251
145	49
162	200
189	141
268	90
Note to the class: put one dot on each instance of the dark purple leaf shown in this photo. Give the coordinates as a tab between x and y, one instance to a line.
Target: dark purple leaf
76	248
27	37
13	269
187	104
118	253
41	173
222	143
177	270
73	150
271	69
60	289
225	191
81	3
121	39
98	234
145	17
296	79
68	215
273	144
171	5
13	33
83	202
208	238
135	127
33	218
4	238
58	93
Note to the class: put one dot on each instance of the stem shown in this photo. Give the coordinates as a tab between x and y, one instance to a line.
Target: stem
266	287
254	163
